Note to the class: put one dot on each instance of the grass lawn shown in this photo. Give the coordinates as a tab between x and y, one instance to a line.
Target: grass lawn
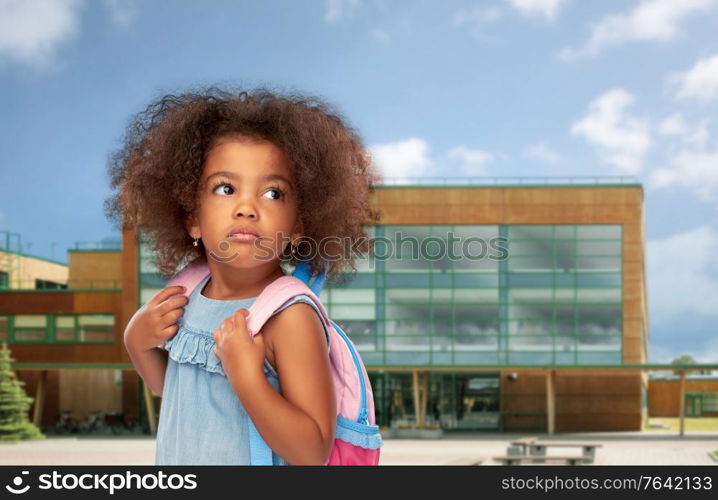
692	424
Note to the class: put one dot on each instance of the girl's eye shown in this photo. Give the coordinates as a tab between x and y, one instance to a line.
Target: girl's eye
223	188
276	192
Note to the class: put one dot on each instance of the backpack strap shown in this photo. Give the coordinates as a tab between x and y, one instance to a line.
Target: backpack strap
274	296
304	272
190	276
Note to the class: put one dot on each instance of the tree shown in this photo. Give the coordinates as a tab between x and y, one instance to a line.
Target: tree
687	359
14	404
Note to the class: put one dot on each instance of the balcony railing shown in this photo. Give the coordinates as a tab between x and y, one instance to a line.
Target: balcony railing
510	181
98	245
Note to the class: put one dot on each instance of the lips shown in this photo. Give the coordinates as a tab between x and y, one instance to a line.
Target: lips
243	233
243	230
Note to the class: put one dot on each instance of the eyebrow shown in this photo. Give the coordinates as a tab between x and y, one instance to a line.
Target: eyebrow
269	177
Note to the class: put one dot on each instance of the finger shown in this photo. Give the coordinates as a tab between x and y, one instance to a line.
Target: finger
169	331
171	304
240	319
172	316
165	293
216	336
227	327
240	327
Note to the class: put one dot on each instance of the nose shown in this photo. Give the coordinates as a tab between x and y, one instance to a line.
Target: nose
246	209
246	212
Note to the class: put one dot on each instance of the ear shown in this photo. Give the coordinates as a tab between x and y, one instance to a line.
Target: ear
192	226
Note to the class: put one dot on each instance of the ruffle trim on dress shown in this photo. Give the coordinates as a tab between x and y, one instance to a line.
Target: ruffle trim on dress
196	348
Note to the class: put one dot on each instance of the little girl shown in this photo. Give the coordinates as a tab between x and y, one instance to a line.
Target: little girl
249	183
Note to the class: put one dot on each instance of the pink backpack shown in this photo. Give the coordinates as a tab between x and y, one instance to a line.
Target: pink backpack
357	439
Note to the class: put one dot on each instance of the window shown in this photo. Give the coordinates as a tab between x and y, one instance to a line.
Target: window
362	333
65	327
30	328
4	279
710	402
407	246
96	328
49	285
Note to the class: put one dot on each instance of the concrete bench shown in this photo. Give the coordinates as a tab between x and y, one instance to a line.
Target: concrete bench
520	446
539	448
523	459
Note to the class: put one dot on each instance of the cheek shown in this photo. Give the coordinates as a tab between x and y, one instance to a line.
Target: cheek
211	207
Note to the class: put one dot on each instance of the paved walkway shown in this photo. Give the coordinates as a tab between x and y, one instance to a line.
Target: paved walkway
625	448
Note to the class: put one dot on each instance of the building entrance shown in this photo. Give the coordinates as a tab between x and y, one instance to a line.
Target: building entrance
467	401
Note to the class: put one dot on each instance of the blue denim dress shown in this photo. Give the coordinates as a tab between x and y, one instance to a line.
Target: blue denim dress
202	421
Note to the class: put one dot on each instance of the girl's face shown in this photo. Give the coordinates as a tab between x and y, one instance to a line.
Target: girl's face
246	187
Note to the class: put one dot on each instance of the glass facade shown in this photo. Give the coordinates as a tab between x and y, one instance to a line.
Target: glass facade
465	295
468	295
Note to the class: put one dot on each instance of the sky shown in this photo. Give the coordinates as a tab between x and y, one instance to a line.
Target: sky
476	88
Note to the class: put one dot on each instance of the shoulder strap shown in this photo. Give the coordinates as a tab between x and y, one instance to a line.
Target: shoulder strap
190	276
271	299
274	295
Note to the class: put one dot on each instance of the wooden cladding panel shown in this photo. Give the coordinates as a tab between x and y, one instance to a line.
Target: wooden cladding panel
581	401
664	395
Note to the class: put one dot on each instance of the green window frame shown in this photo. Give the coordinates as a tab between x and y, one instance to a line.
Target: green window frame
57	328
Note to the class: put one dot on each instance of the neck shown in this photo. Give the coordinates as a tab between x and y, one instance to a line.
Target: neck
230	283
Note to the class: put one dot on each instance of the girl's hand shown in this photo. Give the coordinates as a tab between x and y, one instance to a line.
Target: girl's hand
242	355
156	321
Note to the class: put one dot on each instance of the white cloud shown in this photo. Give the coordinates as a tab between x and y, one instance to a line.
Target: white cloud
31	32
546	8
649	21
690	164
676	126
476	16
622	139
335	10
404	159
471	162
699	82
698	136
696	170
543	153
477	19
681	274
123	12
673	125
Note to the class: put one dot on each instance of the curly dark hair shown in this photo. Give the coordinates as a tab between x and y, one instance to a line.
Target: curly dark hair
155	174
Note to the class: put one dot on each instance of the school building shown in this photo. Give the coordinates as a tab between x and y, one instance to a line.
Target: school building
515	306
